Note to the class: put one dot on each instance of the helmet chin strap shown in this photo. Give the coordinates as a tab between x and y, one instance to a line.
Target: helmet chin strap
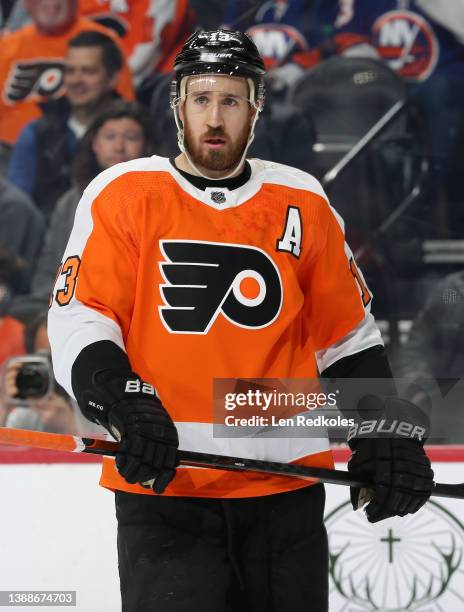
183	148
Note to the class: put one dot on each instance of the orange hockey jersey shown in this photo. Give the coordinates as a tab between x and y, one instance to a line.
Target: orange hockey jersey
31	71
253	282
152	32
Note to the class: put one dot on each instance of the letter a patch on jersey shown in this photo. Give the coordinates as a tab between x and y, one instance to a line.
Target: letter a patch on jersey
208	279
292	235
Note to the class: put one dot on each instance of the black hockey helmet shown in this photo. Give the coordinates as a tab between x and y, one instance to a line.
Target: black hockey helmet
220	52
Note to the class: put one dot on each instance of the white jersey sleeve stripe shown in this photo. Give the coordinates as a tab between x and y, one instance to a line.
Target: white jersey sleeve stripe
74	326
362	337
88	326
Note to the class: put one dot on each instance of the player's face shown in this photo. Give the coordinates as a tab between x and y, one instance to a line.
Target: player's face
85	77
51	16
217	117
118	140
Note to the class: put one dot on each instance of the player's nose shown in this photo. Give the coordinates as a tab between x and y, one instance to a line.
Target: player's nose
215	117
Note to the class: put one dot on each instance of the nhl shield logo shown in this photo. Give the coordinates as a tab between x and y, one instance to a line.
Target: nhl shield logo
218	197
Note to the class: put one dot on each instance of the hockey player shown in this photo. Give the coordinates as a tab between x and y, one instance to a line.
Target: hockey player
212	266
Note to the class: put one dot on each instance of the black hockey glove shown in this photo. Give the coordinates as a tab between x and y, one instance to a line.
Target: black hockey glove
387	445
131	411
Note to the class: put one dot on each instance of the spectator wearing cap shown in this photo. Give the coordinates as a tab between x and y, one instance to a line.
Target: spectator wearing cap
41	160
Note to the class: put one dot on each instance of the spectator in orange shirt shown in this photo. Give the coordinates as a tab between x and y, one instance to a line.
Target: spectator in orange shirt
40	163
32	65
152	32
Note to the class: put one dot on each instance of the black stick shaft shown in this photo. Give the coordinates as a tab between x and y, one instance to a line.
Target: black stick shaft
240	464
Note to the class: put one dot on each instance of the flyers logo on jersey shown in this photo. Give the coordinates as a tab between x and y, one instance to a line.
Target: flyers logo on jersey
35	78
207	279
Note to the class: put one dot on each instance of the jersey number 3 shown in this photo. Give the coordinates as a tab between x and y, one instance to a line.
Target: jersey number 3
69	269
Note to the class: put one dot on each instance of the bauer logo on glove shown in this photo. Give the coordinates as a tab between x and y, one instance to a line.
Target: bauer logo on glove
388	427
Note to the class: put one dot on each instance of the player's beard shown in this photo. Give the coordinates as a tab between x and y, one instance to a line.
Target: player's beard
216	160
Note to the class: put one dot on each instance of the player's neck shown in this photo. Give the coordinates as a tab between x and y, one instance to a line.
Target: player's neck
202	183
182	163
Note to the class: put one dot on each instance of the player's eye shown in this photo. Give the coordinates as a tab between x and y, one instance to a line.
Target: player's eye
201	100
230	101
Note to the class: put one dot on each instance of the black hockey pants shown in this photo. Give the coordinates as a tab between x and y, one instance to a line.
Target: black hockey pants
261	554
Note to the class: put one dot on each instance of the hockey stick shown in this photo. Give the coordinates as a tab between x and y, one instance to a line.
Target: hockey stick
64	442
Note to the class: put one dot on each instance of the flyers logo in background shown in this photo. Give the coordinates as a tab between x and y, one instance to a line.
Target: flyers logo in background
43	79
208	279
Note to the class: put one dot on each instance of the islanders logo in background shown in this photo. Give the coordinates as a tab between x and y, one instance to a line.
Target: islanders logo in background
407	43
276	42
413	563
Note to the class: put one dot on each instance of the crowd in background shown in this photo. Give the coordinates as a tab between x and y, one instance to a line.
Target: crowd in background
367	96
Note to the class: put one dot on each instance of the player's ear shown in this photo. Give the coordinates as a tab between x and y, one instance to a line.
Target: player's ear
253	112
181	110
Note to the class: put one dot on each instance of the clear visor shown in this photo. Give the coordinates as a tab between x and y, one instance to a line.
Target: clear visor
239	88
